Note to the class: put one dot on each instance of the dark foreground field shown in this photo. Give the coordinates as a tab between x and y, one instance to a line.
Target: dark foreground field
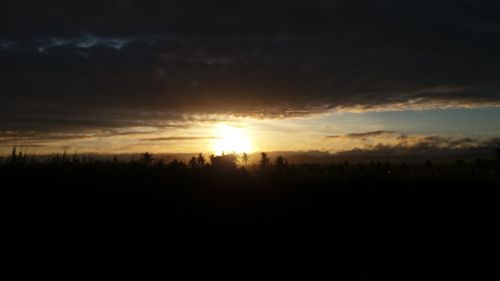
71	219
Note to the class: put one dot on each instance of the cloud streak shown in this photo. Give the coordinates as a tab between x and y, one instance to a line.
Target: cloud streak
362	135
179	138
422	148
375	140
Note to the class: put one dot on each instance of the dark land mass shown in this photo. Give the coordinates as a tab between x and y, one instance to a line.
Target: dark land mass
79	219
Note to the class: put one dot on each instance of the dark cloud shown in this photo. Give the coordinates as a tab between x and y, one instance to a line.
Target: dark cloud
422	148
423	143
39	138
179	138
362	135
394	143
92	64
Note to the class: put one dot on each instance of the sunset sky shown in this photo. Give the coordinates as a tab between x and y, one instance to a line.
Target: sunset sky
248	76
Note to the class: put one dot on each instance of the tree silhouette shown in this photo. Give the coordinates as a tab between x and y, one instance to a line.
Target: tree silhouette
147	158
197	162
281	163
193	163
13	156
200	160
245	158
264	161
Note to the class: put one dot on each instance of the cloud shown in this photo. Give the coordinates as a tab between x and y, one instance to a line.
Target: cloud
87	41
42	138
179	138
362	135
419	148
423	143
43	44
79	65
395	143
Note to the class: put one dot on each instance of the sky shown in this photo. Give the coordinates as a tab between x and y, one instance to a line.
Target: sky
248	76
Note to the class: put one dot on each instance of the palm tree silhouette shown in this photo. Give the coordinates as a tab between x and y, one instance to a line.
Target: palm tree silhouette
245	158
201	160
147	158
193	163
264	161
281	163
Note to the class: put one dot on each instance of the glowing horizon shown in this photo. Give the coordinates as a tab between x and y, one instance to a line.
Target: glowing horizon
334	132
230	139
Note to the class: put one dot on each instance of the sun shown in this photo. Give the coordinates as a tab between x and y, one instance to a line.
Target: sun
231	139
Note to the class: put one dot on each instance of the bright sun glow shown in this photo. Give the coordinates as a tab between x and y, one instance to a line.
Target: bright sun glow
231	140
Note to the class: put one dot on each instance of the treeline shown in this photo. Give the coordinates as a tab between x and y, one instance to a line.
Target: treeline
220	218
265	167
